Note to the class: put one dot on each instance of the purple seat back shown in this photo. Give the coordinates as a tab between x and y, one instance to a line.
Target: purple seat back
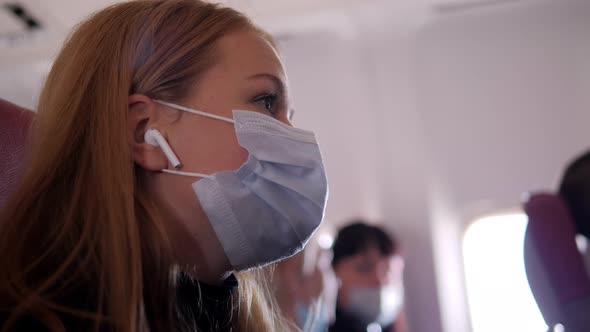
554	266
14	128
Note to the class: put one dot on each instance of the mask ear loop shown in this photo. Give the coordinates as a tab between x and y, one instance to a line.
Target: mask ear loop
153	137
192	111
191	174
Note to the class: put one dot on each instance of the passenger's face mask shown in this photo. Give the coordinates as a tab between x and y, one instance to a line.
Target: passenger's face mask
375	304
267	209
312	317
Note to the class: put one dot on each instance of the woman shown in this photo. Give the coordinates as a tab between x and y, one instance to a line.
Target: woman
146	188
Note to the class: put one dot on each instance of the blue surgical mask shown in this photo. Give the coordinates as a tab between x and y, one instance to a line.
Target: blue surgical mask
376	304
268	208
312	317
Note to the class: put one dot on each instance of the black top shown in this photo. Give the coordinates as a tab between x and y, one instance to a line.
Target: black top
209	307
345	322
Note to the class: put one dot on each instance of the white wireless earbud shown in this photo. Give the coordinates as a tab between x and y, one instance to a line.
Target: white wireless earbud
153	137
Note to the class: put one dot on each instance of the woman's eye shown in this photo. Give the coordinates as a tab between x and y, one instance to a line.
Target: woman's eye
268	101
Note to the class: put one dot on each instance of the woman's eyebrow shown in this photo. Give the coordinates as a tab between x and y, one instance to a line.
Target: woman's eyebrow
276	81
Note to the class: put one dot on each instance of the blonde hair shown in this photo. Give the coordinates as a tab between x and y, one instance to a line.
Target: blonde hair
81	222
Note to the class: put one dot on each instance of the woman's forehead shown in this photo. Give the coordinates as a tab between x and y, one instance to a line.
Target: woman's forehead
249	53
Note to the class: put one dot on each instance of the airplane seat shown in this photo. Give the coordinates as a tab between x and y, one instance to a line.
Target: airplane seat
554	266
14	127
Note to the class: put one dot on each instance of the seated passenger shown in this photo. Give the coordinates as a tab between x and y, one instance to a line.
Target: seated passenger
369	268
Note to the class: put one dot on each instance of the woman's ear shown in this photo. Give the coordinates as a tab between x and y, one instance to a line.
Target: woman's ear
142	116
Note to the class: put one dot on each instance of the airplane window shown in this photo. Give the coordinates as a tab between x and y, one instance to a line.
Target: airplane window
498	292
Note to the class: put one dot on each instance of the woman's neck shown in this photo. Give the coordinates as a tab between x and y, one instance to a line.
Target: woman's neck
195	246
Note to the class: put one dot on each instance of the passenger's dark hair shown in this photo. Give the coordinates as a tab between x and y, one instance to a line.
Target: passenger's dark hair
358	237
575	191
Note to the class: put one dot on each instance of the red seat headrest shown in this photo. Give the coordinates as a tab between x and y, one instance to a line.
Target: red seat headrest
555	268
14	128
